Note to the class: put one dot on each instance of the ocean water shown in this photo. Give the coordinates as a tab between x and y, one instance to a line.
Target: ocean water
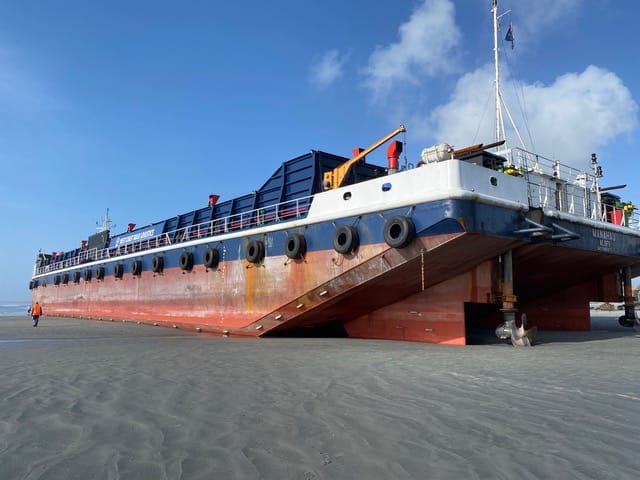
13	309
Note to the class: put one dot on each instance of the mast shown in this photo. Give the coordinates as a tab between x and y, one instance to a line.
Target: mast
106	224
498	112
501	133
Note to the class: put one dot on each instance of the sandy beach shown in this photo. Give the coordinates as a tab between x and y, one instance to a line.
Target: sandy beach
108	400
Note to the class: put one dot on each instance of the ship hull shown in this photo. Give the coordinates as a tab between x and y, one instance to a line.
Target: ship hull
445	281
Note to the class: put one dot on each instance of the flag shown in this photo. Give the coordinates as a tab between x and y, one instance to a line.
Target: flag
509	36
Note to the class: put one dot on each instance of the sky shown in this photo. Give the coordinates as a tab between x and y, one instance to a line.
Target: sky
147	107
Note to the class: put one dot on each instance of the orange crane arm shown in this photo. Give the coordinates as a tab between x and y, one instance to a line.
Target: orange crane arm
334	178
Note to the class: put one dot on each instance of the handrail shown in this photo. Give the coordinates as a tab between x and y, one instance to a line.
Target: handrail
283	211
580	199
532	162
620	216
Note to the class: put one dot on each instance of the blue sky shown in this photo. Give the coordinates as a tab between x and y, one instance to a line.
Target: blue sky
147	107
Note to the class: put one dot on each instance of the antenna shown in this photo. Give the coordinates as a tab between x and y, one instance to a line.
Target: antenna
106	224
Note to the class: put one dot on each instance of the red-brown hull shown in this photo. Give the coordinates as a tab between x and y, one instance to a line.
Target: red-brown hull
417	293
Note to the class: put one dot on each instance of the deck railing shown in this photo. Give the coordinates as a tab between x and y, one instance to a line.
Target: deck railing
567	189
259	217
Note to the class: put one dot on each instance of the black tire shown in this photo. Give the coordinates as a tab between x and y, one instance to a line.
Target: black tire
255	251
33	284
158	264
346	239
399	232
100	273
87	275
186	261
136	268
295	246
56	280
118	270
211	258
76	277
65	278
625	322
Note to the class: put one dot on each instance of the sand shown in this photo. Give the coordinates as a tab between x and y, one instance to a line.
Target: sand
101	400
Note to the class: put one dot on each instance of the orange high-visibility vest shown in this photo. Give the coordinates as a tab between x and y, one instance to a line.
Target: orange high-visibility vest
36	310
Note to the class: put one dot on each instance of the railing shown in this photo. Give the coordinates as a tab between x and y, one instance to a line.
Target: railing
567	189
279	212
532	162
620	216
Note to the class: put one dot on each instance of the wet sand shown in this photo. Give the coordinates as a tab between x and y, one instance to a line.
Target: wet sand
102	400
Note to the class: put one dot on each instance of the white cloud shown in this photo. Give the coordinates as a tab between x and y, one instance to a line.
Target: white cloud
583	110
574	115
467	117
541	14
570	118
423	49
328	69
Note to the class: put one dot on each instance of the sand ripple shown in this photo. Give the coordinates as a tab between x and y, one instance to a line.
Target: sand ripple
92	400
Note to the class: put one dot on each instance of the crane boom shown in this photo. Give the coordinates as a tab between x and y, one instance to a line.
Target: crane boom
334	178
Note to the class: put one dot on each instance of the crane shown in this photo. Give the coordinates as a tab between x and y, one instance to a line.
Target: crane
334	178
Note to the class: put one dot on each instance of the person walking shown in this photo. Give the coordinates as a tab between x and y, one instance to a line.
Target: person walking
36	311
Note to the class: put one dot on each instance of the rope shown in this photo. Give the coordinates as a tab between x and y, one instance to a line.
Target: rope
422	266
404	149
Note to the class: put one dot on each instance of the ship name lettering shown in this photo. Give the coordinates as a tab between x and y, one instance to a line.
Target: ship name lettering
603	235
135	237
605	244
